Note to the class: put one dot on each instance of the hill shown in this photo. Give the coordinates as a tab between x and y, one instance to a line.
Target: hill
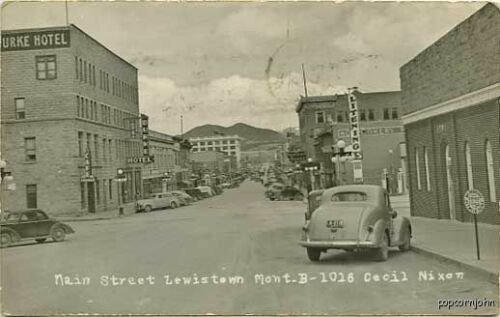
252	136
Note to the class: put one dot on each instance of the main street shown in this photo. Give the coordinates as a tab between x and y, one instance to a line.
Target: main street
224	243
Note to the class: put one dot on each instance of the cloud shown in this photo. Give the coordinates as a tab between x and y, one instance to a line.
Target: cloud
225	101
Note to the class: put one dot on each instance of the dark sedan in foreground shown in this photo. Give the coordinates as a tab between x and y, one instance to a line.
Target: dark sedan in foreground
31	224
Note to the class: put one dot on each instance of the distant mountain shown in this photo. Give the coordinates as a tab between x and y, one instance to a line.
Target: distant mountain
252	136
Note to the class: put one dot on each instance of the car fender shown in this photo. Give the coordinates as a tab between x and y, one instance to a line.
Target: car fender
60	225
67	228
379	230
399	224
14	235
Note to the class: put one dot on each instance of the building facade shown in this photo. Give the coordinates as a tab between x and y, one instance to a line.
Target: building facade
229	145
451	102
70	118
324	120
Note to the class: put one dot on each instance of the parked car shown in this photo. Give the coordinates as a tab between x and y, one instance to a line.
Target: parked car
226	185
355	217
207	191
217	190
158	201
273	190
195	193
31	224
289	193
183	197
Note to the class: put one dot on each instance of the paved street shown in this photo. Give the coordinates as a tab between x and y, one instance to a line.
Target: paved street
220	244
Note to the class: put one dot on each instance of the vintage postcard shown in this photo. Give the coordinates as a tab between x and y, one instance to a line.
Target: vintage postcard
264	158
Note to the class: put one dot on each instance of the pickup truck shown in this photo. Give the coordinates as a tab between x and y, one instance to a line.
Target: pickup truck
158	201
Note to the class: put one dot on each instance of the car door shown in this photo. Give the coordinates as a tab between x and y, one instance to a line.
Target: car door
26	227
44	223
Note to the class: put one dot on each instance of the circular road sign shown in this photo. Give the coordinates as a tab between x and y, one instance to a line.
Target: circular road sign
474	201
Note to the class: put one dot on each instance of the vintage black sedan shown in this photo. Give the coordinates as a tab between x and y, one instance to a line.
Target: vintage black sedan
355	217
31	224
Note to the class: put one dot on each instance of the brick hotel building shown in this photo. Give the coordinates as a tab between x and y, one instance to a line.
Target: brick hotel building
65	96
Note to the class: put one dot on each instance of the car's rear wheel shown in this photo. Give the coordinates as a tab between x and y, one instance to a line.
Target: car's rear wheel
58	234
173	205
405	245
148	208
313	254
382	253
5	240
41	240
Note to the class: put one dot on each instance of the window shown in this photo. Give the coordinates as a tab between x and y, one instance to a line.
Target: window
46	67
97	191
30	149
81	69
386	114
417	169
109	151
104	150
76	67
490	171
80	144
87	115
340	117
362	115
78	107
31	199
371	115
395	114
468	165
96	147
85	71
349	196
110	189
82	194
87	148
427	173
20	114
93	75
320	117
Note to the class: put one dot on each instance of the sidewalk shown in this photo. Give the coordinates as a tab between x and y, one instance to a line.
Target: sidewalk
128	209
454	241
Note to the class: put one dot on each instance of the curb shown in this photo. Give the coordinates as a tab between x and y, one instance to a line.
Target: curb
480	272
91	219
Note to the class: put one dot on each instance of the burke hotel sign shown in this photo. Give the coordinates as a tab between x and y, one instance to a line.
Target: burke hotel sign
35	40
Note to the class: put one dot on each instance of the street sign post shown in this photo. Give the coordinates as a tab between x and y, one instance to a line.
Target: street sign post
474	203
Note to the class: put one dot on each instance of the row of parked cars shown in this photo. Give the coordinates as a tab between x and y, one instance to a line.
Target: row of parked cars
177	198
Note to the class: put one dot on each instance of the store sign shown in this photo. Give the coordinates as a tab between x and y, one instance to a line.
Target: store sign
354	122
145	135
35	40
140	159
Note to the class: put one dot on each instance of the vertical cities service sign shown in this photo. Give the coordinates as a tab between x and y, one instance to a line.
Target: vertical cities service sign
35	40
357	164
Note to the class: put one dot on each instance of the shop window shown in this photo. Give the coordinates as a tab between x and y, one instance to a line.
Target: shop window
320	117
362	115
20	110
427	171
31	196
46	67
468	166
30	148
417	170
490	171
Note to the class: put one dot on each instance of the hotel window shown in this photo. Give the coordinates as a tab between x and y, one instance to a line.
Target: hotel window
417	169
104	150
386	114
31	196
87	148
20	111
96	147
340	117
80	144
110	189
232	147
95	110
395	114
30	148
231	142
46	67
427	172
81	69
76	67
320	117
371	115
490	171
100	79
468	165
85	71
87	115
93	75
362	115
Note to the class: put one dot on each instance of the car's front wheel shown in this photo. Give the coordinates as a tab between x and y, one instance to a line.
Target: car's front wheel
148	208
313	254
382	253
405	245
58	234
173	205
41	240
6	240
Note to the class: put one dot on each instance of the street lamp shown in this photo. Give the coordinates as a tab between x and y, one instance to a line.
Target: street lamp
311	169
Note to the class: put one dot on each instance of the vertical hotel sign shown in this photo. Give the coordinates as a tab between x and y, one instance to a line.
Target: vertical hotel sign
355	138
145	136
20	41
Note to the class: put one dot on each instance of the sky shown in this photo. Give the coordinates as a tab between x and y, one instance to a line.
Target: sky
224	63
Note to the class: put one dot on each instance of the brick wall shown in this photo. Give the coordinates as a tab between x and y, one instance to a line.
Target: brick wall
464	60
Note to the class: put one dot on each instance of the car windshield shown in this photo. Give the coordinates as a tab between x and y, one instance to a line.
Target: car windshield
349	196
11	216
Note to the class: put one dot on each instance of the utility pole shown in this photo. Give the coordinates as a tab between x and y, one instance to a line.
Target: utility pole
304	78
182	126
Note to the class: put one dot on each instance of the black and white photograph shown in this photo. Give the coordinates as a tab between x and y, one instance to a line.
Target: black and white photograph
249	158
